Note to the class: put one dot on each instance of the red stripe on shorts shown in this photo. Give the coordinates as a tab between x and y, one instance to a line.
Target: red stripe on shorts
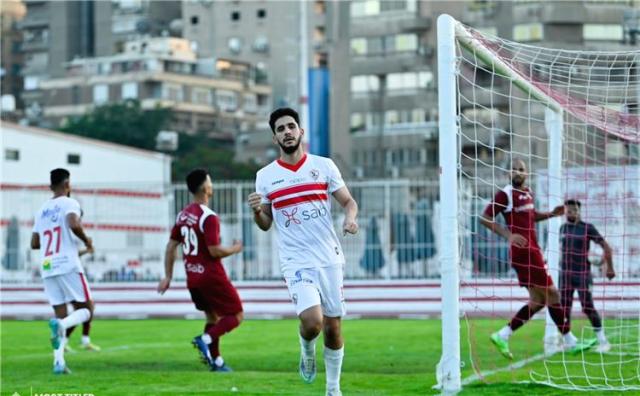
84	287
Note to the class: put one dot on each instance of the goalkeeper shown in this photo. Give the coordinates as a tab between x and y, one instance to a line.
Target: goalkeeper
575	238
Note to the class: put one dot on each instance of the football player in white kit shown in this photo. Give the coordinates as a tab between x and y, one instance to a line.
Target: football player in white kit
295	192
54	227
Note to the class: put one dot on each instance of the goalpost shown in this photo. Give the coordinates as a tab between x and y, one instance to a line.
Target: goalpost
574	118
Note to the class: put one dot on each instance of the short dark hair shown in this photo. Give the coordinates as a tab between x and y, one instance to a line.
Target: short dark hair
572	202
282	112
195	178
58	176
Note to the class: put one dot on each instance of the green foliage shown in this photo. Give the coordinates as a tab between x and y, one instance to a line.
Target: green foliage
123	123
127	123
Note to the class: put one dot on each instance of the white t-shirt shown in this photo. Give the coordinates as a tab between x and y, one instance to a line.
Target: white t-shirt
58	247
300	198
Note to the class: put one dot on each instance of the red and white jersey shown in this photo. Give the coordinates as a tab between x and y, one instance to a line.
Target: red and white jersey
300	198
198	227
58	247
517	207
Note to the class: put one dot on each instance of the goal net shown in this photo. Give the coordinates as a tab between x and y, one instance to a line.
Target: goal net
573	118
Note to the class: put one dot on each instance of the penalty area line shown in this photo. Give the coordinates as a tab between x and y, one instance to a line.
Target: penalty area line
486	373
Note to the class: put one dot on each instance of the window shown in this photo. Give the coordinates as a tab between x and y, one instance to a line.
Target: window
365	8
235	44
262	13
391	117
235	16
528	32
201	96
319	7
100	93
357	122
129	90
226	100
172	92
31	83
194	20
359	46
261	44
250	103
365	84
75	95
12	154
406	42
73	159
318	33
602	32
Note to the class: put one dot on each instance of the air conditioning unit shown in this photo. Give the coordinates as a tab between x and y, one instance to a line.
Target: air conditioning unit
167	141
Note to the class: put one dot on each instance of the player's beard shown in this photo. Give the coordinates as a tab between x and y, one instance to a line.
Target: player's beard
517	181
291	149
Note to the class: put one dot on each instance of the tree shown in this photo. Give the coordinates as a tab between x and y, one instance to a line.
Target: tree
127	123
123	123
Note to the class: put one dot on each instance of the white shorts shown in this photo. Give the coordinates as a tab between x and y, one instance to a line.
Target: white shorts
323	286
65	288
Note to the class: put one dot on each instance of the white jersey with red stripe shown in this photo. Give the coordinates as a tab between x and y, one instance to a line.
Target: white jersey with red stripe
58	247
300	199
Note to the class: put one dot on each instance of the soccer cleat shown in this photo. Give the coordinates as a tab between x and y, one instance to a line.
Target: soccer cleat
68	349
90	347
581	346
603	348
57	332
221	369
307	368
61	368
502	345
203	349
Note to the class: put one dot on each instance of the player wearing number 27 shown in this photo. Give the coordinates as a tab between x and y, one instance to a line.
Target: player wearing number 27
64	282
197	229
294	192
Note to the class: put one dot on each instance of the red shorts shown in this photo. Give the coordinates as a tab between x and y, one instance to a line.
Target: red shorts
217	296
530	268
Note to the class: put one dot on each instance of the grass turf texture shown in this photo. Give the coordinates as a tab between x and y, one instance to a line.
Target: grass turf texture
147	357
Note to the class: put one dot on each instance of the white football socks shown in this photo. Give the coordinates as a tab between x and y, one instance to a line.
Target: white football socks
333	367
308	346
86	340
602	339
569	339
75	318
505	332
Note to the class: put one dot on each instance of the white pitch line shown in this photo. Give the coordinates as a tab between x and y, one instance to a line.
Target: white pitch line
519	364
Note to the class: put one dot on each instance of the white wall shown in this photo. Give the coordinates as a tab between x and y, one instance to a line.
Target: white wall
42	150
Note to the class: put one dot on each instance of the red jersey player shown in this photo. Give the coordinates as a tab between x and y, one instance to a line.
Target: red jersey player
515	202
197	228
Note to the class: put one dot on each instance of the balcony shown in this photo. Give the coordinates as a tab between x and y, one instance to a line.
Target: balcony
34	46
427	130
385	63
397	99
384	24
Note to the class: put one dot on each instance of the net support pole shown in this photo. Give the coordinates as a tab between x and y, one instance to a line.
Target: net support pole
448	370
554	128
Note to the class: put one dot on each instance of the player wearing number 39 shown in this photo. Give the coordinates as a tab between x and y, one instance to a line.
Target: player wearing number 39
197	229
62	273
295	192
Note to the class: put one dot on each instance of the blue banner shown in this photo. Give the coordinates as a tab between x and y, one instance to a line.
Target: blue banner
319	111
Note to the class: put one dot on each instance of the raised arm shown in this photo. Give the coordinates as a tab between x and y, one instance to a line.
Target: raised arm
557	211
262	215
344	198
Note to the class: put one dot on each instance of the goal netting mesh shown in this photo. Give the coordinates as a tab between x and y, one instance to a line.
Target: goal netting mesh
574	118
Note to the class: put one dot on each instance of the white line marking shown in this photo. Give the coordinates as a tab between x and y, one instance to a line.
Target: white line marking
519	364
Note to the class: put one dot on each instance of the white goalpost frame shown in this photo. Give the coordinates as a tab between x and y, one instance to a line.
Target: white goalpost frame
448	370
449	33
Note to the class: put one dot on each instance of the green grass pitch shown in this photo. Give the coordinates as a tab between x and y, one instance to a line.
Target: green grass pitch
154	357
